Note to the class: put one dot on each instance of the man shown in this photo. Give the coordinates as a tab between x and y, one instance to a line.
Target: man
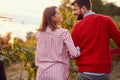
92	34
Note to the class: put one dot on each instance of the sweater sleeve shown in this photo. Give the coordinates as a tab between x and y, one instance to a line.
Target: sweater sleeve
73	51
114	32
75	36
115	51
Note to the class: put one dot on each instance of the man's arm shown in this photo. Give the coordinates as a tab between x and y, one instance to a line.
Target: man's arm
115	51
114	32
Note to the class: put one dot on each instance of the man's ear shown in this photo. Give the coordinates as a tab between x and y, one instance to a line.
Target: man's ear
83	9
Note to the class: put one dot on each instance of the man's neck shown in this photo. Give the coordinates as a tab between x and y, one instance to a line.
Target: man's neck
87	11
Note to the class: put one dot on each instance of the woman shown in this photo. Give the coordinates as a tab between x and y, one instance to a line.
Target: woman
53	42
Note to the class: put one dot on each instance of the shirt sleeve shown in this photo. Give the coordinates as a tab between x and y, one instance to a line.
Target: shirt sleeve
114	32
73	51
37	50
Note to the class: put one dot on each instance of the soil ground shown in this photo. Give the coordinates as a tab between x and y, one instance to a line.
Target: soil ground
16	72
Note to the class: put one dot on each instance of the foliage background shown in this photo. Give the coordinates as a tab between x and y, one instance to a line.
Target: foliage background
20	51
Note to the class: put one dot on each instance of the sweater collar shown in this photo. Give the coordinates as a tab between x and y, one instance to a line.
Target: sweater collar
89	13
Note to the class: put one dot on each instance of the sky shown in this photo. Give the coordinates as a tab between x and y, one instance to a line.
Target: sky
27	11
117	2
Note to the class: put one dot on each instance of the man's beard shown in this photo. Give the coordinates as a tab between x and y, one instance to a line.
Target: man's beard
80	16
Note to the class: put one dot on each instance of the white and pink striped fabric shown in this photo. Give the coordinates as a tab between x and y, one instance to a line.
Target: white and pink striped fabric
51	57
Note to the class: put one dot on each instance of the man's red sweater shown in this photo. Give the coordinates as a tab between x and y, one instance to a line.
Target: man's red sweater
92	35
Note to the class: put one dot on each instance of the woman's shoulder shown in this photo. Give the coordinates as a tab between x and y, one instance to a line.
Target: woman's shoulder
38	32
62	30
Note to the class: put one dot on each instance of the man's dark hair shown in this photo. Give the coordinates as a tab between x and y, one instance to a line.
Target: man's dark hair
86	3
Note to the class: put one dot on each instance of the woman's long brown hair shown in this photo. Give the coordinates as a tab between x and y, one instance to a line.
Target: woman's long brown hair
46	19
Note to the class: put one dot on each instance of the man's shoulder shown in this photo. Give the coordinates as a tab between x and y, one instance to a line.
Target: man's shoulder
77	23
102	16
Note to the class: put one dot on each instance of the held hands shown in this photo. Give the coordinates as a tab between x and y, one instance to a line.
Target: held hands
78	52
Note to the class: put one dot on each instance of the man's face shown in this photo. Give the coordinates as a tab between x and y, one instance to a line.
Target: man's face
77	12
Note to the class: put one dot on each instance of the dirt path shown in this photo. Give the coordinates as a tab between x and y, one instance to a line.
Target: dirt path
16	72
115	74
